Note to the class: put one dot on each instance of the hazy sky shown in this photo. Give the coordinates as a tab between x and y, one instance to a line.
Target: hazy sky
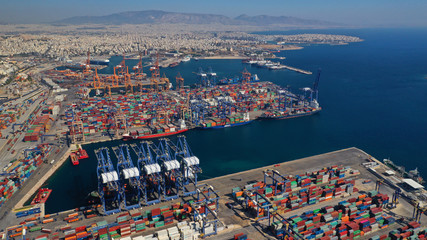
356	12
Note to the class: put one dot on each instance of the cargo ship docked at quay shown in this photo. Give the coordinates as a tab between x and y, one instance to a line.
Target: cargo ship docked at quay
291	106
100	62
299	112
133	135
226	125
148	133
412	174
234	121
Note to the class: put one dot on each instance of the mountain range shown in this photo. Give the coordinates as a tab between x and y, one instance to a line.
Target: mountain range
159	17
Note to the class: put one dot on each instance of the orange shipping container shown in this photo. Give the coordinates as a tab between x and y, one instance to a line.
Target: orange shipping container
15	235
73	215
47	220
73	220
81	234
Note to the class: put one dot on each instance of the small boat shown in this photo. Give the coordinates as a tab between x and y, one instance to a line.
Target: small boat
174	64
186	59
81	154
41	196
74	159
78	154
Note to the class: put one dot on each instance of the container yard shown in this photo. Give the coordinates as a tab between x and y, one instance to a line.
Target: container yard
155	113
301	199
153	190
129	106
18	171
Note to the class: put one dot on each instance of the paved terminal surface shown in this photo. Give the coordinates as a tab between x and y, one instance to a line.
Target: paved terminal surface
6	155
236	220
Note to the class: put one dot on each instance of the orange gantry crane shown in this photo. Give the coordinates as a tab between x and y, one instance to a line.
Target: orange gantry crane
155	75
124	76
139	74
86	65
246	76
165	81
128	82
77	129
179	82
97	83
114	79
121	68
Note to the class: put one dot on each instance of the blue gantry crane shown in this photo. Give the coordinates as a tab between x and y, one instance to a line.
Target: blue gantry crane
199	108
16	124
44	136
245	98
171	169
277	180
108	182
211	77
150	173
283	230
315	89
224	107
76	128
33	150
189	166
312	98
7	174
202	78
206	209
128	178
116	119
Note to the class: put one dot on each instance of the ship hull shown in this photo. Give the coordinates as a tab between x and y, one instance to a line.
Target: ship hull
227	125
99	62
45	195
74	159
291	116
158	135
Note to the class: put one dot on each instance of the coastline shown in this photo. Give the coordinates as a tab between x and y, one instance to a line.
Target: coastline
43	179
225	57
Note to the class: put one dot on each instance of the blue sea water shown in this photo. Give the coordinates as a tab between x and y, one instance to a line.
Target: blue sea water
373	94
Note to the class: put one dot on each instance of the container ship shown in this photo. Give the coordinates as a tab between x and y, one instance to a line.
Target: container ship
292	106
237	80
413	174
234	121
298	112
76	66
156	132
77	155
100	62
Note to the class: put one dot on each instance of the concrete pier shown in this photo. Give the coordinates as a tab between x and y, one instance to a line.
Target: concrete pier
297	70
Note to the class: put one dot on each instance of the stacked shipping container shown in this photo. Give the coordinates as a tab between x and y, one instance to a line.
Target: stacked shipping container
348	220
20	170
297	191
